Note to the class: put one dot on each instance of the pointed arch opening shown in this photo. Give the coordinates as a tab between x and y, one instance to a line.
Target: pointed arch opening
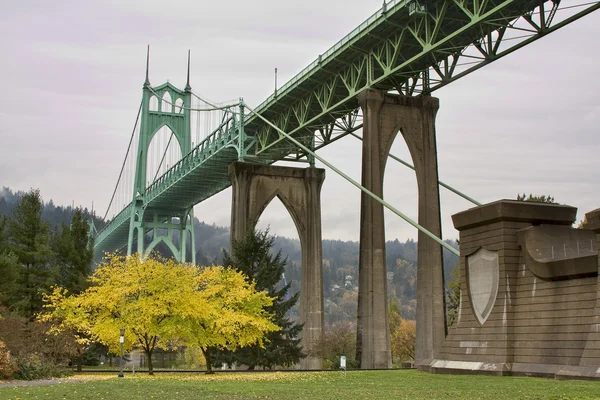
400	190
178	106
163	244
153	104
163	152
278	218
166	105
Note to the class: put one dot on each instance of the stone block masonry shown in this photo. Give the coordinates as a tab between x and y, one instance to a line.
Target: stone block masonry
540	314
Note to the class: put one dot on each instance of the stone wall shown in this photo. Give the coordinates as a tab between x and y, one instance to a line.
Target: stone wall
511	321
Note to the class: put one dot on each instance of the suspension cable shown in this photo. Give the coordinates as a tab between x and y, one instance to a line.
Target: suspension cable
212	104
125	160
215	107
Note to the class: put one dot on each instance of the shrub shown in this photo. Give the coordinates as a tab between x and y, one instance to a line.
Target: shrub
338	340
34	366
34	353
7	364
90	356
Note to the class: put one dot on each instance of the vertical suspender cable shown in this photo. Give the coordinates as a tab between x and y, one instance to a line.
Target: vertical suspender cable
124	161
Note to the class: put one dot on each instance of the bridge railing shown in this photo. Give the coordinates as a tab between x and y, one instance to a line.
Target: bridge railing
218	139
332	50
110	227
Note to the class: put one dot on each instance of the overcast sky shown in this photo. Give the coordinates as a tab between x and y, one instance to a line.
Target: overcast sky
72	73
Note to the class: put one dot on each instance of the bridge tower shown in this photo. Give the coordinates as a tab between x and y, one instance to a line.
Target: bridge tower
163	105
385	117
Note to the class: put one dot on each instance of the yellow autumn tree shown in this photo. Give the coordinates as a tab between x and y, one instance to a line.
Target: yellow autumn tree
234	313
403	340
402	335
161	302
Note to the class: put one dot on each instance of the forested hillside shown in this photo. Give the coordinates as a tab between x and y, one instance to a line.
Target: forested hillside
340	274
54	215
340	261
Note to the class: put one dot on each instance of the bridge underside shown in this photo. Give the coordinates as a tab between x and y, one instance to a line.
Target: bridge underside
197	177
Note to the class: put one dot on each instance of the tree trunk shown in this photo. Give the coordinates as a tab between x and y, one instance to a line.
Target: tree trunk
150	367
80	363
209	369
109	359
79	360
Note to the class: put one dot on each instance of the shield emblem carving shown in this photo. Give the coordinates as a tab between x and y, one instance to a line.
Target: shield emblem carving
483	276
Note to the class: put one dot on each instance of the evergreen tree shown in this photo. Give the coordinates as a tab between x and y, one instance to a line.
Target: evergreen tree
29	241
9	267
536	199
252	256
453	296
4	208
3	233
74	253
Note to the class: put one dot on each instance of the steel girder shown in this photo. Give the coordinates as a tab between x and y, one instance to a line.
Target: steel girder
408	48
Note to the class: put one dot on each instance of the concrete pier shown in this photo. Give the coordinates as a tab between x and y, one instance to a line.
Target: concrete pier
384	116
299	189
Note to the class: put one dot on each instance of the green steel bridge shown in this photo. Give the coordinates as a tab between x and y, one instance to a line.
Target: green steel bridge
407	47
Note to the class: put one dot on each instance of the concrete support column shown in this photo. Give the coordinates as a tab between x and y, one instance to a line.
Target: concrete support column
373	334
253	188
431	301
240	177
384	116
136	225
186	224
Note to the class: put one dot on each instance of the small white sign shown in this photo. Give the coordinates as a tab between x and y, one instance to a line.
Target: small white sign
343	362
122	339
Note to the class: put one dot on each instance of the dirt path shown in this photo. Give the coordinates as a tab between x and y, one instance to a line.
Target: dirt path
44	382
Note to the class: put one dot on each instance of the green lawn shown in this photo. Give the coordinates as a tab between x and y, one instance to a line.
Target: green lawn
407	384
